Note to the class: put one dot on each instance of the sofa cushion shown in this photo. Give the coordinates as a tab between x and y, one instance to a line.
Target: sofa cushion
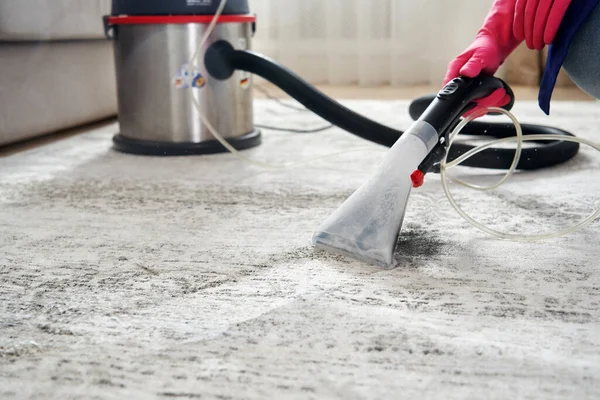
50	86
22	20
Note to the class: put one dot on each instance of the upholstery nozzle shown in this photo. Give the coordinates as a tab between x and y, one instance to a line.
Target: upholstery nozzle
366	226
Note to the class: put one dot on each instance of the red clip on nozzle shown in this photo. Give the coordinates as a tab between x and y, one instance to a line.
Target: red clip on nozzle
417	178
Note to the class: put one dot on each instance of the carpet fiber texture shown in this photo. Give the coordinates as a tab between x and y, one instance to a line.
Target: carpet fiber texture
193	277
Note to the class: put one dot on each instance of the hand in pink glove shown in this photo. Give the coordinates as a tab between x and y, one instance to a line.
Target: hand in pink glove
537	21
483	55
493	44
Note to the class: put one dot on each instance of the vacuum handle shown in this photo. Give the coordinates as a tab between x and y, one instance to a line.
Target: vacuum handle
456	98
419	105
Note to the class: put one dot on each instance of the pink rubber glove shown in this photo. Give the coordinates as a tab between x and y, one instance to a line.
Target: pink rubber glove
493	44
537	21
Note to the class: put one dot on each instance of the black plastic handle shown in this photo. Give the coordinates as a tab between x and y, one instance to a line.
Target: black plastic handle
458	97
419	105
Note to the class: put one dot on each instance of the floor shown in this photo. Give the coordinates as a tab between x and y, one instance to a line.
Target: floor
195	278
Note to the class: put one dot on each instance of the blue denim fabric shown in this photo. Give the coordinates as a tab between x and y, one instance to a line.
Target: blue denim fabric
583	59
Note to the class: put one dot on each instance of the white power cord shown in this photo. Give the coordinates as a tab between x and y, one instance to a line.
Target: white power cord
469	154
444	167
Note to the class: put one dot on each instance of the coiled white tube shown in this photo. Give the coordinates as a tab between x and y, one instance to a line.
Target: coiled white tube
472	152
445	166
520	139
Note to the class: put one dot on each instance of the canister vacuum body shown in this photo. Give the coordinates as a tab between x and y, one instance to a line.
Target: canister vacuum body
154	43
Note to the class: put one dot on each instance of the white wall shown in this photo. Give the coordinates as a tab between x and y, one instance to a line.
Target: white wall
369	42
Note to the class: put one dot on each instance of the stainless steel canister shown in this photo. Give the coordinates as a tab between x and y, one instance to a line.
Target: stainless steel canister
156	78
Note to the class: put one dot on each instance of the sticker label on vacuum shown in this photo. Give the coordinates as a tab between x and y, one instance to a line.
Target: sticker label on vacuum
189	77
198	81
245	79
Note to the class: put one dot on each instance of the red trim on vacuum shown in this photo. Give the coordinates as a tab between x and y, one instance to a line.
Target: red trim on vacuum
177	19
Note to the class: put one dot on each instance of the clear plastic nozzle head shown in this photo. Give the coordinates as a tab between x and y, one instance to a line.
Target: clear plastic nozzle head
366	226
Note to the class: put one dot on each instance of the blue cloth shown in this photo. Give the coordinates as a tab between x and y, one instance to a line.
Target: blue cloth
576	15
582	64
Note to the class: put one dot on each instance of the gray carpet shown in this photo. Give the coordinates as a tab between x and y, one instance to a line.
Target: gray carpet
135	278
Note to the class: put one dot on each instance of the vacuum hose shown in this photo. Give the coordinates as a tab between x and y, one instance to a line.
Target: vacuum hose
222	60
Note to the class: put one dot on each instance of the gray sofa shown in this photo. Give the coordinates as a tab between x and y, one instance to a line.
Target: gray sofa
56	67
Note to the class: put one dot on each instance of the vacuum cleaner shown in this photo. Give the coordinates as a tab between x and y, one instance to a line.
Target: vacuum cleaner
154	39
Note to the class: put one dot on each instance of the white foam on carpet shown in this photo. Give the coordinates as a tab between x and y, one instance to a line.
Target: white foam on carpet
193	277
